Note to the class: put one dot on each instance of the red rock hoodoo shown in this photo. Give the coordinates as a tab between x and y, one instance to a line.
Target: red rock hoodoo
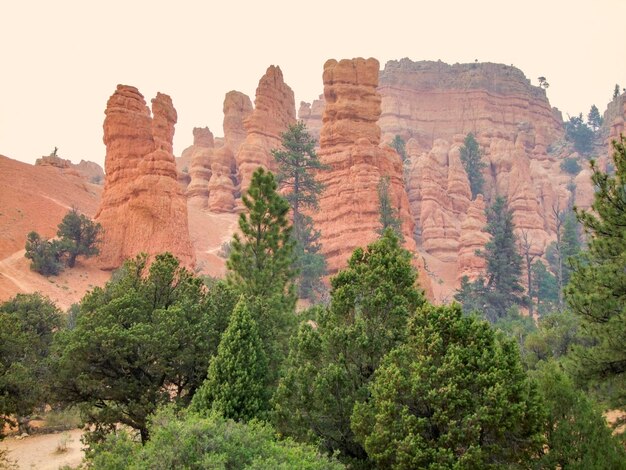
348	215
274	111
142	207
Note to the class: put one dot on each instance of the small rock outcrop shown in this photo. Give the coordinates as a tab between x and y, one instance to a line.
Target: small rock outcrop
142	207
274	111
348	215
90	171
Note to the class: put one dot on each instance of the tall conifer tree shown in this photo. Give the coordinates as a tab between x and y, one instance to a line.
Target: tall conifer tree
297	163
236	381
597	287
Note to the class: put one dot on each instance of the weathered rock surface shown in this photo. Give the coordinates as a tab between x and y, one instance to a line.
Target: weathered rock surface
90	171
433	100
200	154
274	111
348	215
472	238
142	207
439	194
311	115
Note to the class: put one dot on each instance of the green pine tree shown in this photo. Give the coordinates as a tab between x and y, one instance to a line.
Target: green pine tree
331	363
454	395
471	159
388	214
297	163
399	146
593	118
577	434
545	288
236	385
597	286
501	288
79	236
261	262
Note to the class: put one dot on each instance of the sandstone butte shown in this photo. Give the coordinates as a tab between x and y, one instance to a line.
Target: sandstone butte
433	106
348	215
274	111
143	208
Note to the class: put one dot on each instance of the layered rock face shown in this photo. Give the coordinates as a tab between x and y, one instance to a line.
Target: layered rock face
311	115
472	238
274	111
199	154
433	100
348	215
439	194
221	186
142	207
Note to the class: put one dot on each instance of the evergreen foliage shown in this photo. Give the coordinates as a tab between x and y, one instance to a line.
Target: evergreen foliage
235	385
261	265
188	441
331	362
554	337
593	118
471	159
297	164
578	436
45	255
571	166
79	236
597	287
144	339
388	215
501	289
545	288
579	134
399	146
28	323
453	396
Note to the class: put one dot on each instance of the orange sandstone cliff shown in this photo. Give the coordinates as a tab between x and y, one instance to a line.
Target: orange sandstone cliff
142	208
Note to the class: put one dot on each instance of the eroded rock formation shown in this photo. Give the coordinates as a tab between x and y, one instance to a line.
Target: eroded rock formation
142	207
439	194
200	155
473	238
348	215
274	111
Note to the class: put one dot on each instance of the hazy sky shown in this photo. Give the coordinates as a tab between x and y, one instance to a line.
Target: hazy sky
61	60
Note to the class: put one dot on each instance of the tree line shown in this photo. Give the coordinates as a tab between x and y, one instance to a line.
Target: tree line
227	374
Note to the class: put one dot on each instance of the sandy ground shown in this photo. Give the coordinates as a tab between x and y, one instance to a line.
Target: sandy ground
208	231
64	290
40	451
442	277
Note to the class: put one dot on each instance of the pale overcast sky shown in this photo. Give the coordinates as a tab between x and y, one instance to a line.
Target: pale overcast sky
61	60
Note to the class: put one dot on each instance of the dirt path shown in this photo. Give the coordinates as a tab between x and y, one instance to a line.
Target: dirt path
40	451
10	270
